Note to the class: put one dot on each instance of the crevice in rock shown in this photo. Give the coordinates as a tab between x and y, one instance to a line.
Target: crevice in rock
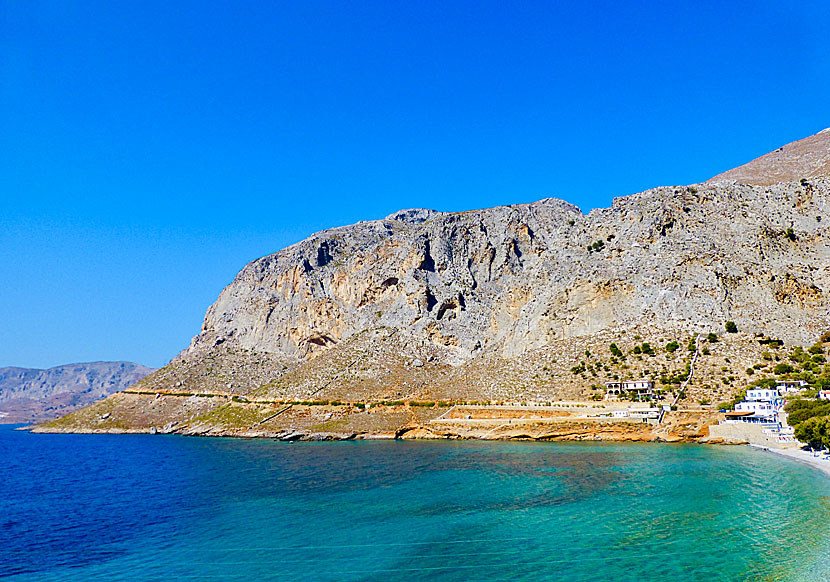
446	306
323	254
431	300
427	264
321	340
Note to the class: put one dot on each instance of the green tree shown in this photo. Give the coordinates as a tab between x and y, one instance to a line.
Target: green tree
815	432
672	346
712	338
801	410
731	327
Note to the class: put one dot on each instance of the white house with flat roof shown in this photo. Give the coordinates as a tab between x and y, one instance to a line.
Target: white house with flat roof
791	386
638	388
761	405
762	395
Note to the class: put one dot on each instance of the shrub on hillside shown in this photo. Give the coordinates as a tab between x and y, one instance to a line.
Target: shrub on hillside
782	369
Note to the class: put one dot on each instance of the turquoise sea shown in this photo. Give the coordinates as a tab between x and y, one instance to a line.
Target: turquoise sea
136	507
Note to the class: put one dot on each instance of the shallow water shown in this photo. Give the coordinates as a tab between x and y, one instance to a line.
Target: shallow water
140	507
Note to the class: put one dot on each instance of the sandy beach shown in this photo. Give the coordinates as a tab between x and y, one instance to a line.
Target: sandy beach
801	456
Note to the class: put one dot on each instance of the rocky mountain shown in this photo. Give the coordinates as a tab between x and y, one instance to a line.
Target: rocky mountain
516	302
28	394
806	158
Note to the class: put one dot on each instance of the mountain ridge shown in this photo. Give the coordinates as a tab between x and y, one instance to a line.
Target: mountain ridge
514	302
33	394
803	159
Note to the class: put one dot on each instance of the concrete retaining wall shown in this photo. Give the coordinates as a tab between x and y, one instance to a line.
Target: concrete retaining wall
749	433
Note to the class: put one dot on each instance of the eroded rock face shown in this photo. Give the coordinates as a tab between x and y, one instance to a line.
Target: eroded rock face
514	278
424	309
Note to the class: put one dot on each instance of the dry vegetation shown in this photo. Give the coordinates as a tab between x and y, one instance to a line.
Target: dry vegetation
383	383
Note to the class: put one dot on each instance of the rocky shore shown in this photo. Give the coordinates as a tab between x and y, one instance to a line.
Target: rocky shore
203	416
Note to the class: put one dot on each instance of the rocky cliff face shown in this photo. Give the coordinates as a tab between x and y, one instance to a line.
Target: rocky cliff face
514	278
28	394
505	304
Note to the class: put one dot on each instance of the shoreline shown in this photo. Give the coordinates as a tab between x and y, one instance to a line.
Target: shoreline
795	454
799	456
529	432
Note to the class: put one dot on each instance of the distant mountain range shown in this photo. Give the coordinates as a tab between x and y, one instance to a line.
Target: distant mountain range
30	395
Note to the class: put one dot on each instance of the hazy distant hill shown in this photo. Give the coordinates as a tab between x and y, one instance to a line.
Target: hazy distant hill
28	394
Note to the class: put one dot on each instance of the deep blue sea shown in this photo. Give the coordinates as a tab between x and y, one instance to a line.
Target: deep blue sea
141	507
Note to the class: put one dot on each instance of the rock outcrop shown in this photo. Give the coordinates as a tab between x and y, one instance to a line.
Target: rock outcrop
514	278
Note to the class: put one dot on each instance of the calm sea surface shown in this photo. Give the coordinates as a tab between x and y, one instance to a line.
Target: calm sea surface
135	507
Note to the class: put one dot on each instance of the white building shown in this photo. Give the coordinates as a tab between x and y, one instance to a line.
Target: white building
824	394
639	388
791	386
761	405
762	395
640	413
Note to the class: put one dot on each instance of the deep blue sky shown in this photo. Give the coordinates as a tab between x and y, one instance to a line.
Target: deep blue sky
148	150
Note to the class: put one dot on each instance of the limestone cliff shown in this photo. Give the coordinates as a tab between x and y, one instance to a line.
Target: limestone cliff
510	303
803	159
514	278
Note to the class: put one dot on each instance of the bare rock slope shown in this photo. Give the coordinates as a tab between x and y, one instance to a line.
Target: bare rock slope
510	279
514	302
29	394
803	159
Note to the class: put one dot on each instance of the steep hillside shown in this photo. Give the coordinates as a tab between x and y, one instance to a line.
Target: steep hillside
28	394
513	278
807	158
509	303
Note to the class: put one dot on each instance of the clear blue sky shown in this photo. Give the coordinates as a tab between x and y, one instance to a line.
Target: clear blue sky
148	150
